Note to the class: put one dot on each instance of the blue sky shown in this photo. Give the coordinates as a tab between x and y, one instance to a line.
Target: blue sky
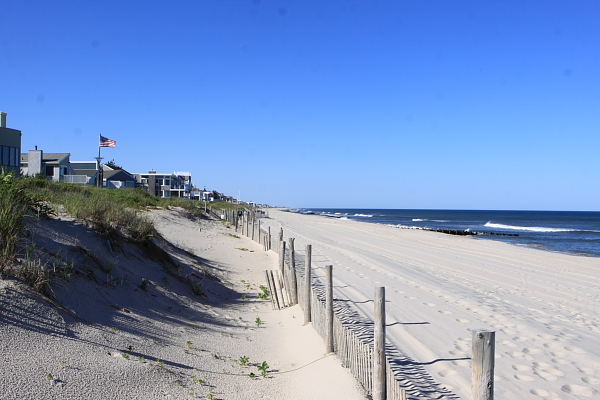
367	104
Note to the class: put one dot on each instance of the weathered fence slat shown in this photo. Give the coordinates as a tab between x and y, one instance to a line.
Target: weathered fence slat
482	380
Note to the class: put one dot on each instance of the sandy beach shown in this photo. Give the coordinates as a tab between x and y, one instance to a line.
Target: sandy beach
542	305
105	337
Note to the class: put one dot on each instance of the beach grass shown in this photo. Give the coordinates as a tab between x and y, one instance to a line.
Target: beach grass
109	212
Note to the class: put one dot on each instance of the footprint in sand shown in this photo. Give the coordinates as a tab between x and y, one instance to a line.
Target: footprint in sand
540	392
515	354
524	378
530	351
410	297
546	376
429	304
507	343
585	370
542	365
521	367
577	390
590	380
445	312
447	372
575	349
463	321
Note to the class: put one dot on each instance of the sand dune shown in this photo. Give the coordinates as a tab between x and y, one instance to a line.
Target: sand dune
104	337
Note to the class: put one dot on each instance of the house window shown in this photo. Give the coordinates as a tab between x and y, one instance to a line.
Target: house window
14	161
49	170
5	157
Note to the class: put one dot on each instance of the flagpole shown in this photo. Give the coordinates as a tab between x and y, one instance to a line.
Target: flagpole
99	175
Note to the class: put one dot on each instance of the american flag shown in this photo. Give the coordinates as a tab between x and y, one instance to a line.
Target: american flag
106	142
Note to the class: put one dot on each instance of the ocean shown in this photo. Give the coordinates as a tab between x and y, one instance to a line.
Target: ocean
572	232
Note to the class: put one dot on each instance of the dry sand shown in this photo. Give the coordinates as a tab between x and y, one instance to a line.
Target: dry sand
542	305
106	338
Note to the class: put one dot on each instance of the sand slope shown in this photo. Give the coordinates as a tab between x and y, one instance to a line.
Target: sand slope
543	306
109	339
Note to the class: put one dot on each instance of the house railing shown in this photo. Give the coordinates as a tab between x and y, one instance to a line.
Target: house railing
77	179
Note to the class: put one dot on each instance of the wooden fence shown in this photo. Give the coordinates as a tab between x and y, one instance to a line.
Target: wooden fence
355	349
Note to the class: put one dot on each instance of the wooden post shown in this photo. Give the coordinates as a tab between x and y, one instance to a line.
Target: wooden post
281	256
293	282
269	245
482	358
307	283
253	224
379	384
329	309
259	231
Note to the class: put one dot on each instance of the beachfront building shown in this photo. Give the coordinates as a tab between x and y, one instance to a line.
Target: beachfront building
10	147
54	166
117	178
84	173
177	184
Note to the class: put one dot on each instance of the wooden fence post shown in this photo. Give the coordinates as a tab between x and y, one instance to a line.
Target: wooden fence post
482	358
281	256
307	283
269	245
329	309
259	231
293	282
379	383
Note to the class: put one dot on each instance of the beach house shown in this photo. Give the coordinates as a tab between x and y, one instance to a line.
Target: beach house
54	166
177	184
117	178
10	147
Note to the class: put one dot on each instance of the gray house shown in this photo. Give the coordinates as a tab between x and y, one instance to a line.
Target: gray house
10	147
177	184
52	165
117	178
84	172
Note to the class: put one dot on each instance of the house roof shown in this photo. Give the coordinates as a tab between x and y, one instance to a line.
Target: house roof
90	165
117	175
48	158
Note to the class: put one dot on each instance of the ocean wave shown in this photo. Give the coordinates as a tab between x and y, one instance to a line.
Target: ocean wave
528	228
363	215
418	220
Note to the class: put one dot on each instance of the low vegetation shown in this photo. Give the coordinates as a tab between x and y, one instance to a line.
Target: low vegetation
110	212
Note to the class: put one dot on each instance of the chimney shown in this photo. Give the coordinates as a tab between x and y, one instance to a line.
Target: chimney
34	162
2	119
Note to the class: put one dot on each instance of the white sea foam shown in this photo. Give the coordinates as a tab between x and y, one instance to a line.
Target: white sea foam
418	219
528	228
363	215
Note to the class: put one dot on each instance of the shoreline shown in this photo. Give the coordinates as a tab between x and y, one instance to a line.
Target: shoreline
481	235
541	304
